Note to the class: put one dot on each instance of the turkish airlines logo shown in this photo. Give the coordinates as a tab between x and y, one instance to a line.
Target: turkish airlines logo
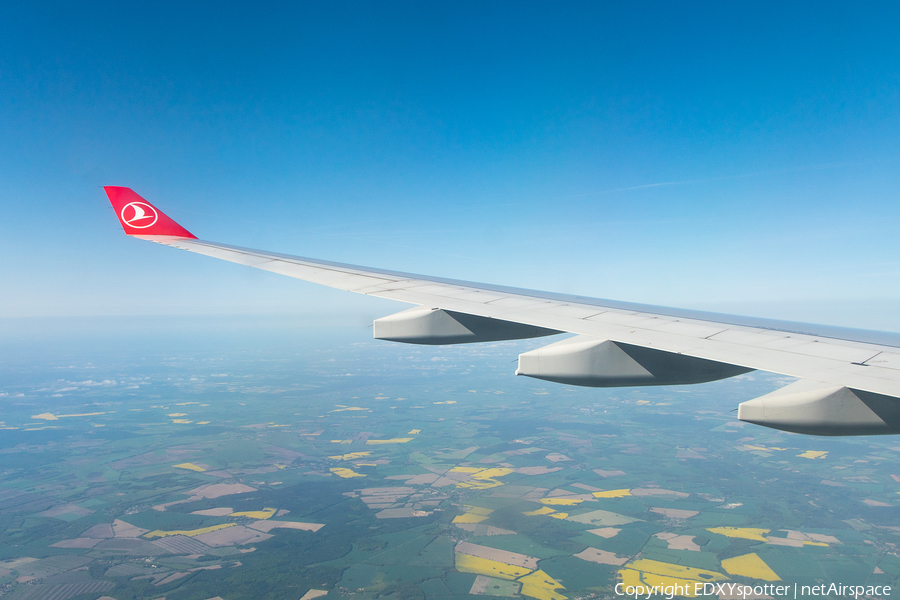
139	215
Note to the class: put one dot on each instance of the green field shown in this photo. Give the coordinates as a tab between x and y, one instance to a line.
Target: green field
275	424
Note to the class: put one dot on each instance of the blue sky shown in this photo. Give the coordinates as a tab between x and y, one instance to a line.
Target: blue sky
740	157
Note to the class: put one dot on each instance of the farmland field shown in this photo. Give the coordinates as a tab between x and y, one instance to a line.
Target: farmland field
280	463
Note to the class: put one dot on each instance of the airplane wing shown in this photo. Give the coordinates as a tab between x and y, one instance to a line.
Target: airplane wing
849	380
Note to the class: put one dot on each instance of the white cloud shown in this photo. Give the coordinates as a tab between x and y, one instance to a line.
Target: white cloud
92	383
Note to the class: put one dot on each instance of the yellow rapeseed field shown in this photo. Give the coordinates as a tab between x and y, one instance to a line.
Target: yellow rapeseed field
545	510
561	501
630	577
350	456
746	533
265	513
493	472
473	514
612	494
672	570
483	478
390	441
492	568
655	573
189	467
345	473
188	532
542	586
469	518
813	454
749	565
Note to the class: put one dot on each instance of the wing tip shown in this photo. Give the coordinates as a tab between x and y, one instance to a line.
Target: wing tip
141	218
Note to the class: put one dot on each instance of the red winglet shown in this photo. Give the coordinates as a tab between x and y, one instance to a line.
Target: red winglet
139	217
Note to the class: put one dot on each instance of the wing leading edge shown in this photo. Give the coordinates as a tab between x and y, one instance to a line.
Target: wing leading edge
849	379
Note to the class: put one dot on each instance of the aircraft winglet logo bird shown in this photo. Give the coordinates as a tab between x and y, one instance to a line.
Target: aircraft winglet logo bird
139	215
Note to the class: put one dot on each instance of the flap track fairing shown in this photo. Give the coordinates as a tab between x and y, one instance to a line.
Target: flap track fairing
434	326
588	361
817	408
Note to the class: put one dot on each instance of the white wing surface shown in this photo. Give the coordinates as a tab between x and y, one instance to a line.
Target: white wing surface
849	379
